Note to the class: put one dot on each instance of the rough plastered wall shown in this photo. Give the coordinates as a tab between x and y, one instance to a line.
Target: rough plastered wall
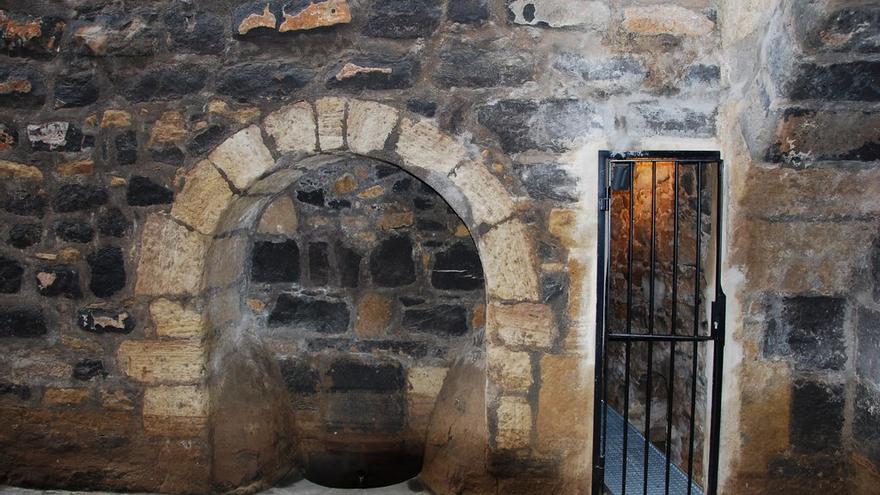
109	110
802	130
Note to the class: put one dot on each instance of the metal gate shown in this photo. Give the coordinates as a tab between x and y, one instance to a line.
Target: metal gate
658	353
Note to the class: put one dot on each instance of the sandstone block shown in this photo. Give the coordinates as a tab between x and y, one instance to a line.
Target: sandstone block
204	198
279	218
510	370
175	411
423	145
563	225
162	361
373	315
666	19
508	264
172	258
331	113
13	170
489	201
514	423
293	128
564	403
243	157
369	124
315	15
65	396
521	325
173	319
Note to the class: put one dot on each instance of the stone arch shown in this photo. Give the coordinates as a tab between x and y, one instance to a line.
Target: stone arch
190	256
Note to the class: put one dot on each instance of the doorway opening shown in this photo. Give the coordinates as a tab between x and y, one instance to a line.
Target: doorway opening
660	324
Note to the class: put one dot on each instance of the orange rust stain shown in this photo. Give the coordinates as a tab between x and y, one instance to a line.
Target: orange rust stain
253	21
20	86
317	15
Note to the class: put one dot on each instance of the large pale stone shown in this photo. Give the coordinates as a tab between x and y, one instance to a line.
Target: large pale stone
425	381
666	19
514	423
331	113
369	125
162	361
510	370
508	263
13	170
423	145
175	411
487	198
203	199
293	128
279	218
173	319
172	258
226	261
564	403
561	13
243	157
526	325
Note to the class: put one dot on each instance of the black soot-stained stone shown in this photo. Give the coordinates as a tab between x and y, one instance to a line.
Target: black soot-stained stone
113	223
422	107
319	263
275	261
403	18
314	197
206	140
23	392
87	369
479	65
262	80
142	191
76	90
74	231
313	315
108	271
391	262
126	148
349	265
467	11
24	203
102	320
816	416
850	81
866	422
299	376
78	197
22	323
170	155
809	332
376	376
23	235
165	83
547	181
401	186
444	319
200	32
338	204
11	272
58	280
457	268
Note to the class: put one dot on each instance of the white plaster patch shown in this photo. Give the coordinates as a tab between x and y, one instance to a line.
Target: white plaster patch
561	13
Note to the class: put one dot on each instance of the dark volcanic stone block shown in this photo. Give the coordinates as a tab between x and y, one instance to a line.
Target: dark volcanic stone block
74	231
22	323
167	82
58	280
352	374
262	80
126	148
206	140
403	18
562	120
366	412
200	32
24	87
11	272
23	392
314	197
23	35
851	81
816	416
854	29
467	11
479	65
547	181
87	369
108	271
312	315
78	197
319	263
809	332
299	376
676	119
133	33
375	73
113	223
76	90
444	319
868	350
101	320
142	191
275	261
349	265
23	235
457	268
171	155
866	423
25	203
422	107
391	262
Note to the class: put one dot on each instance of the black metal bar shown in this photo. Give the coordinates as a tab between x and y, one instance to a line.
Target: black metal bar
600	411
718	330
672	331
699	173
643	337
649	384
628	344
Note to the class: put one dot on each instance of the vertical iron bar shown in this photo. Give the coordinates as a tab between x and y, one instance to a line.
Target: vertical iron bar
718	330
600	412
649	384
671	385
699	173
627	344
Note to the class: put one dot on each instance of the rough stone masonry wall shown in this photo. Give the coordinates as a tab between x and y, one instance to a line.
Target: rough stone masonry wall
803	128
109	110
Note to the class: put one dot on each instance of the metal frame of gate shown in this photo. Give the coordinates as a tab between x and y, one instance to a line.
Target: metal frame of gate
716	320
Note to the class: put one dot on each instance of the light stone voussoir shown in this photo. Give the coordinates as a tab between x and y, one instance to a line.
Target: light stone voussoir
487	198
369	125
423	145
172	258
204	198
331	116
243	157
293	128
508	262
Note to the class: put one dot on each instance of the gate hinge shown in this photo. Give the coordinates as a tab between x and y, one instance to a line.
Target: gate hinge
604	204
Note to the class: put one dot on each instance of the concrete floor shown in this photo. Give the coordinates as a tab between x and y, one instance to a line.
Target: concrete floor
303	487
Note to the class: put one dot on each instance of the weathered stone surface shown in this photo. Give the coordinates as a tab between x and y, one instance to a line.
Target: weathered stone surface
88	369
126	148
58	280
13	170
391	262
313	315
143	191
169	128
24	235
803	136
674	118
175	411
30	36
73	231
113	223
21	87
809	332
816	416
373	315
261	15
25	203
22	323
354	374
548	125
107	267
319	263
548	181
173	319
866	423
508	264
279	218
467	11
11	272
206	139
851	81
167	82
200	32
349	264
559	14
457	268
608	74
68	397
331	113
165	271
314	15
251	80
75	167
102	320
403	19
526	325
293	128
243	157
482	65
666	19
423	145
486	196
76	90
299	376
509	370
57	136
204	198
564	412
369	125
443	319
166	361
275	261
847	30
514	423
868	350
373	72
131	35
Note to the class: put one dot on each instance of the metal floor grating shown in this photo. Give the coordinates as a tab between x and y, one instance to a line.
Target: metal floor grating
635	473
